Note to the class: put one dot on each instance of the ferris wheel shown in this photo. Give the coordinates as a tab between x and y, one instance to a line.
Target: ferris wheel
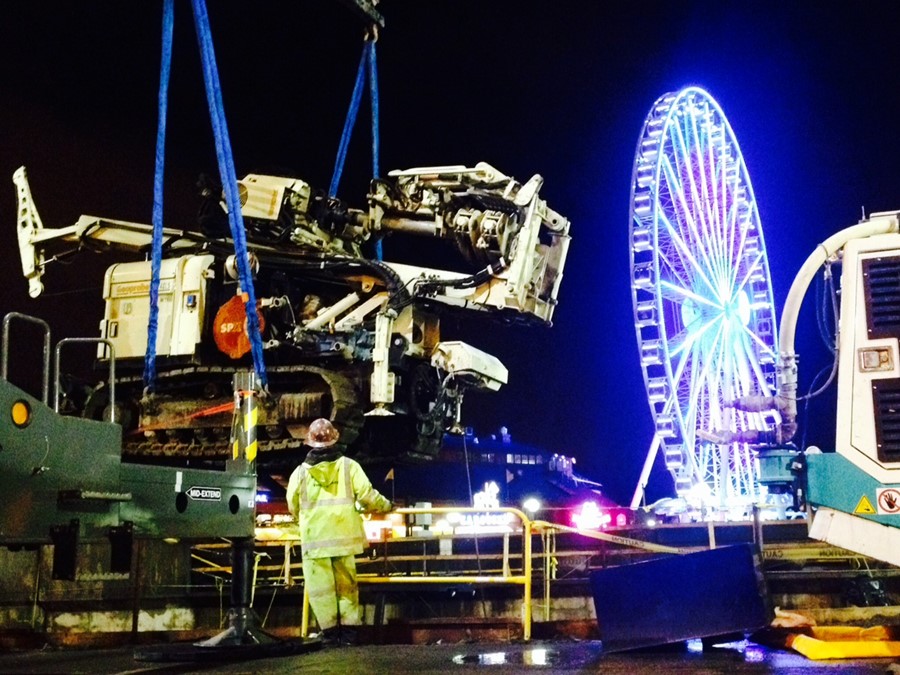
703	308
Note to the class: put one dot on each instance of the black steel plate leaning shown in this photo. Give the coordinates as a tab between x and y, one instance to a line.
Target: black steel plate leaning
698	595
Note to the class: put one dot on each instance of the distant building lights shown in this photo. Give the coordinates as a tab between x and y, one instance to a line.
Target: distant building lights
590	517
487	498
443	526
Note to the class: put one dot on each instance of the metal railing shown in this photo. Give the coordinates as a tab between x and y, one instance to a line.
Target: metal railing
112	370
506	575
405	566
4	349
506	572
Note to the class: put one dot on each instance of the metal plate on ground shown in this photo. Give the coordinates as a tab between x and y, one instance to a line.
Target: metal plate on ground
698	595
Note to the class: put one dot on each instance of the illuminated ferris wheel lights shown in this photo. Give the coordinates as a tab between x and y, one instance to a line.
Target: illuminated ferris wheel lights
704	315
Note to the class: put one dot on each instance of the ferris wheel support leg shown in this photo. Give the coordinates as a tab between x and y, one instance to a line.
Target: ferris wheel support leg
645	472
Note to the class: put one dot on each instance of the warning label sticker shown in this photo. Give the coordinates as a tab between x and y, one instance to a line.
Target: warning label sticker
865	507
888	500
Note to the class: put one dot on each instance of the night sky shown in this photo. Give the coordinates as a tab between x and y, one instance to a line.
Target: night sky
557	88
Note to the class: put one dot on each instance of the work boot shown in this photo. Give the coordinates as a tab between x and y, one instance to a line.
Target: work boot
331	637
349	636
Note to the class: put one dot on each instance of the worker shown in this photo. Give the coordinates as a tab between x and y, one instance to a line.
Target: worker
325	494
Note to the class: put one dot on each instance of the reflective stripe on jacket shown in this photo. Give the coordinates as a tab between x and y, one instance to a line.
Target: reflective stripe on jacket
323	498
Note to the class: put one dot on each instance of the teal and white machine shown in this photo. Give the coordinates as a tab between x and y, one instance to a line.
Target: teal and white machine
854	491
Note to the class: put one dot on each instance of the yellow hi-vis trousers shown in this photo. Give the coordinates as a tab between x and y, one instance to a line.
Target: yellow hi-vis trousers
333	593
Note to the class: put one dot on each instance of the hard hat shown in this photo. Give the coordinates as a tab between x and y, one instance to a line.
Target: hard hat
322	434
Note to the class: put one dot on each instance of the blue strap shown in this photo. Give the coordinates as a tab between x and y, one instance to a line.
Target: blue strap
229	182
156	255
367	62
348	125
373	96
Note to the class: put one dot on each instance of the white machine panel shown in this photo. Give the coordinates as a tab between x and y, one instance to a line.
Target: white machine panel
182	299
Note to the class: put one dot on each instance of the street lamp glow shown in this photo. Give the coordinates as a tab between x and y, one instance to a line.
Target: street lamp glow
532	505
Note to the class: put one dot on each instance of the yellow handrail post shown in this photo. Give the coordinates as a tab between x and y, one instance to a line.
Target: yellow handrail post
526	567
506	570
545	541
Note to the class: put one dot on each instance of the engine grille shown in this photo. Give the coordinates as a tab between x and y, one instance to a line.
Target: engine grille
886	400
882	284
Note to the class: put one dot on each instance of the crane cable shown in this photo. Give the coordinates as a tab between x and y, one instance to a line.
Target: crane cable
229	182
367	65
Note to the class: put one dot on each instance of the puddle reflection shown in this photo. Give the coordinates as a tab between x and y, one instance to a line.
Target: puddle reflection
528	657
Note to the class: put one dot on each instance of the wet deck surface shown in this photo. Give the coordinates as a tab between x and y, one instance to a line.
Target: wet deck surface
546	657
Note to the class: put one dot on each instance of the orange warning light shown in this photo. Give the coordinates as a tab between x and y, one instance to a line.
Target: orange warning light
21	413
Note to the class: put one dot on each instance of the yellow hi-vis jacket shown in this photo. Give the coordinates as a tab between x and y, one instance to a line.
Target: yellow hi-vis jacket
323	498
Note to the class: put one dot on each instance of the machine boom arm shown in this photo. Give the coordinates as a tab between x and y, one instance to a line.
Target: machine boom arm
497	223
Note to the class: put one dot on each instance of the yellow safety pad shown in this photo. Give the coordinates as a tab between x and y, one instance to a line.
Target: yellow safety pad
847	642
853	633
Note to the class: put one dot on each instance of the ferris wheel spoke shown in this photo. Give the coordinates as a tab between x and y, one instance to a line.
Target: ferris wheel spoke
704	179
726	215
707	168
764	347
731	222
673	265
693	392
691	234
729	214
717	243
753	267
684	252
754	362
725	212
702	460
676	190
684	364
743	376
691	334
677	292
713	382
696	356
741	250
698	222
682	155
